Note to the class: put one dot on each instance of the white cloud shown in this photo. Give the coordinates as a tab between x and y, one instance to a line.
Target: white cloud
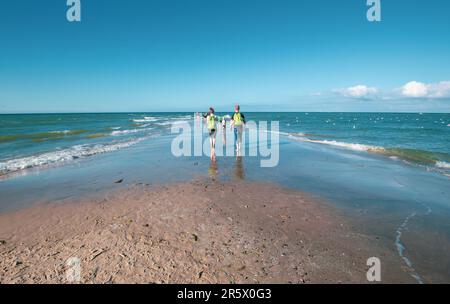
359	91
411	90
417	89
414	89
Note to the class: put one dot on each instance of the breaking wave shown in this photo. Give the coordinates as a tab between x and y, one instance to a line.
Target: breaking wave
438	160
61	156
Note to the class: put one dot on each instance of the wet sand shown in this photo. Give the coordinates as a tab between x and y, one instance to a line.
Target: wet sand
197	232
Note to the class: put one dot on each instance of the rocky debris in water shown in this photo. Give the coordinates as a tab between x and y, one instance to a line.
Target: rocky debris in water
119	181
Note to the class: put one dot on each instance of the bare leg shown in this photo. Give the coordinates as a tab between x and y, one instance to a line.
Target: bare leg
213	154
239	139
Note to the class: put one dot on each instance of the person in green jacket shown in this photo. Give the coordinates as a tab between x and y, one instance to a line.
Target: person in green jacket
237	123
211	120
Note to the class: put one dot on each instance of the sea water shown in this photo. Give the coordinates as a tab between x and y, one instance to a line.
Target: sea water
28	141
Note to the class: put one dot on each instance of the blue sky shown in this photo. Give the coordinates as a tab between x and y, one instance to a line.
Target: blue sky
185	55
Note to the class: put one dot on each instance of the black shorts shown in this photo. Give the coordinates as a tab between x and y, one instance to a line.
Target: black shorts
212	132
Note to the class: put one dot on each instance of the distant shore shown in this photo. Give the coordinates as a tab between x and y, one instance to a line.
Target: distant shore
197	232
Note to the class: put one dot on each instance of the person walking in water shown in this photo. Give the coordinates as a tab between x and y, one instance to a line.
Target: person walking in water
211	120
237	123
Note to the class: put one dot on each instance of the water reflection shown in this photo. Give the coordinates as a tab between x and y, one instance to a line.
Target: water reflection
239	171
212	171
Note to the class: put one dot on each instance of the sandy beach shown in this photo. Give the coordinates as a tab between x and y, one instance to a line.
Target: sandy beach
196	232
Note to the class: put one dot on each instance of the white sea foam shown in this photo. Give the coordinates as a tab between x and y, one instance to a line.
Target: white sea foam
131	131
116	133
167	120
60	132
60	156
443	165
184	117
146	119
366	148
169	123
349	146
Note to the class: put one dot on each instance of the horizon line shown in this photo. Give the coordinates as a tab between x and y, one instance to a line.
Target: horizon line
138	112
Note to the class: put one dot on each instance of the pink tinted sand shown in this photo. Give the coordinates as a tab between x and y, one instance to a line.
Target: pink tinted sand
198	232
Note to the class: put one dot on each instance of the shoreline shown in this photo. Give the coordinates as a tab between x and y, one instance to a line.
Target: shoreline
191	232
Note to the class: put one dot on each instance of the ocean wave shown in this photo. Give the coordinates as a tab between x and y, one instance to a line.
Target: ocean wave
116	133
169	123
350	146
131	131
60	132
61	156
7	138
443	165
309	135
162	120
42	135
96	135
184	117
146	119
416	156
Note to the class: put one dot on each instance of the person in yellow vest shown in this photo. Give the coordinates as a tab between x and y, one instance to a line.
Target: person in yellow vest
238	123
211	120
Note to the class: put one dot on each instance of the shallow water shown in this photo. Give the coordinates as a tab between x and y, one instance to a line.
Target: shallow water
35	140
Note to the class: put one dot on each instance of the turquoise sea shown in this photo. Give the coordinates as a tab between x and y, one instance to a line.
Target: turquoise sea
29	141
